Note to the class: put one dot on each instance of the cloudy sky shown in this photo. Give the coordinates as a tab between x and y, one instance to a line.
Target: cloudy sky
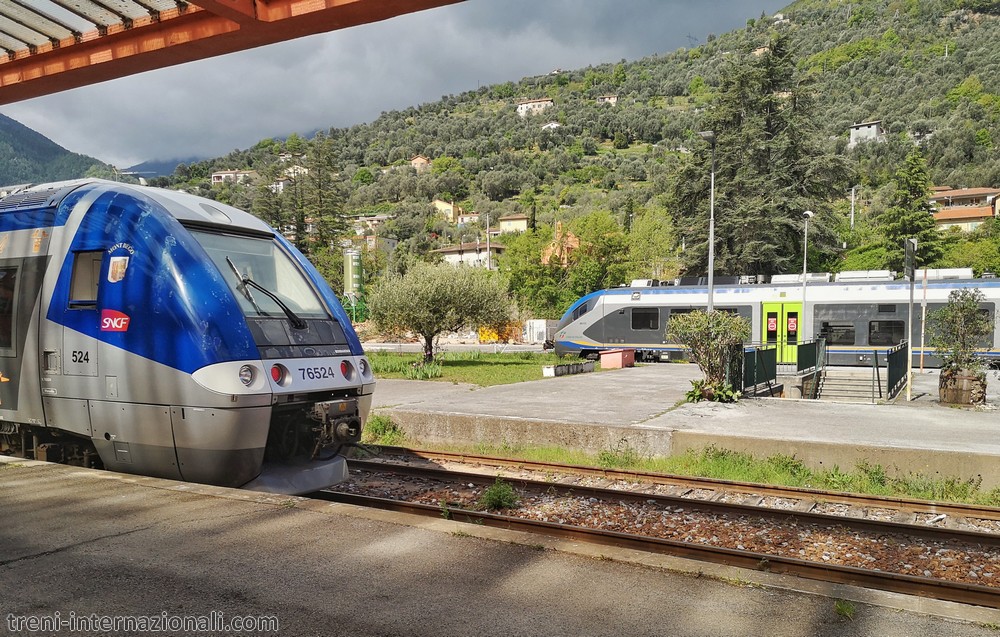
208	108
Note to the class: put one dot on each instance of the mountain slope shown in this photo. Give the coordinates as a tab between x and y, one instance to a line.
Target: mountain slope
27	156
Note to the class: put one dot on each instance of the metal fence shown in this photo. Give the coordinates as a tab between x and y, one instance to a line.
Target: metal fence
762	362
760	367
898	368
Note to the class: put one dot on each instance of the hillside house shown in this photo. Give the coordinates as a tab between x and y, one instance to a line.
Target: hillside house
964	208
607	99
551	126
472	254
420	164
564	243
448	209
866	132
279	185
295	171
533	107
466	218
514	223
233	176
369	223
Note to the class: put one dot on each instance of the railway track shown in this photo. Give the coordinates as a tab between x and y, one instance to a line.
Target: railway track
711	529
896	509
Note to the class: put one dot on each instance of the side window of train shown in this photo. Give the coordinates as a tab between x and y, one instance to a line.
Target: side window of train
885	332
580	311
86	276
8	286
645	318
838	333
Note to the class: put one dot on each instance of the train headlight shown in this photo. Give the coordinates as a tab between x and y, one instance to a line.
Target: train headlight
363	365
345	369
246	375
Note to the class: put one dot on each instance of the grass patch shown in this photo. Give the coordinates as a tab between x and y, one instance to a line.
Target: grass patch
478	368
844	609
778	470
381	430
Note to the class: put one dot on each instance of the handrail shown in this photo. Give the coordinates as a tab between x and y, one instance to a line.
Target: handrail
876	377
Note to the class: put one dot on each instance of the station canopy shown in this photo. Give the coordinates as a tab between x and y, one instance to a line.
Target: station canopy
48	46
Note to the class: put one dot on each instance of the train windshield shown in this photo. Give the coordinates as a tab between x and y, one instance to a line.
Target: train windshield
264	263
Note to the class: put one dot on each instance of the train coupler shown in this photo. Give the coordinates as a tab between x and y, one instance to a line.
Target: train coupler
339	421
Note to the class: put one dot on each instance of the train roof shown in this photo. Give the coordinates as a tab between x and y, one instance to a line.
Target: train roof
185	207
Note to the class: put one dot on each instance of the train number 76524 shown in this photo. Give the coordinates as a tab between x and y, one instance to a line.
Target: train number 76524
316	373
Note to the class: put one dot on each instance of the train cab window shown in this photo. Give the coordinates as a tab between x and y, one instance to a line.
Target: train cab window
86	276
264	262
838	333
8	288
886	332
645	318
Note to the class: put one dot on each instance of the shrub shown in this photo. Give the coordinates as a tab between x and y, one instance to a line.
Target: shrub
499	495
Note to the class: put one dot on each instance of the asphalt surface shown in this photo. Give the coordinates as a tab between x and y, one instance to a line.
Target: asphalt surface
81	543
77	544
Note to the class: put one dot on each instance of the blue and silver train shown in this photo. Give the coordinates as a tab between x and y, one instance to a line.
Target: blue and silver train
857	313
154	332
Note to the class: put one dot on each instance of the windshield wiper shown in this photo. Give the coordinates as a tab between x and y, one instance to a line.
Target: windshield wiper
243	288
245	280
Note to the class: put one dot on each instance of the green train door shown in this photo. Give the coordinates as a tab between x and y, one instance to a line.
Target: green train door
782	324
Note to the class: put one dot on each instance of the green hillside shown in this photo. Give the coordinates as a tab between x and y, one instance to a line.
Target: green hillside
27	156
630	179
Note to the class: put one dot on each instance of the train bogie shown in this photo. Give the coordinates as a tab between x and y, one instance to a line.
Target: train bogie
154	332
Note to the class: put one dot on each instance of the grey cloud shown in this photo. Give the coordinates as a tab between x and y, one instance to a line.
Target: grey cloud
211	107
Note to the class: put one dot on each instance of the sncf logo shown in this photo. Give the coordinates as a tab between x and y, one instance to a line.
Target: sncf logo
114	321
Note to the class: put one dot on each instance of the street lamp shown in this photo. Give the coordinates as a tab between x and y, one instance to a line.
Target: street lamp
709	136
807	215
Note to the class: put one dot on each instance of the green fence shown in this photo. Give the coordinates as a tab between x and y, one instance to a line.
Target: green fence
760	366
897	362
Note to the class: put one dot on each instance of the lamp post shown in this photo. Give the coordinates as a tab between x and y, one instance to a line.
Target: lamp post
709	136
807	215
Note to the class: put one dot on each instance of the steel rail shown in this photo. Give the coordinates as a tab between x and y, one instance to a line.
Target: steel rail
799	493
729	509
958	592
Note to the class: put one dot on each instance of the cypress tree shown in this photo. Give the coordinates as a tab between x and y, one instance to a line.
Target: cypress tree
910	214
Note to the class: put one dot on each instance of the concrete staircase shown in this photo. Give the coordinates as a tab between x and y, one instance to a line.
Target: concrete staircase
846	384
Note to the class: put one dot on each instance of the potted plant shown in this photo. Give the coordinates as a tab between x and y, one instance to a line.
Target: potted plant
956	331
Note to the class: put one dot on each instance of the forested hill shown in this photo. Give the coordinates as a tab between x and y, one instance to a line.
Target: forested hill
27	156
929	70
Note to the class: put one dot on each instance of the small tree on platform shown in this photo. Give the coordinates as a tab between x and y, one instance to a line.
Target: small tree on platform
716	342
956	332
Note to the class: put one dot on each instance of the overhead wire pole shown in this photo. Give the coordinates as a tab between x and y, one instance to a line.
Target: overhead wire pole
806	216
709	136
908	263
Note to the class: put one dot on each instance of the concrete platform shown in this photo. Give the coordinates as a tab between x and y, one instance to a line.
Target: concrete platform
643	406
81	545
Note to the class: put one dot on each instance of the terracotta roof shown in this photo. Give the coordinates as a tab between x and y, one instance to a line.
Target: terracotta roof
964	213
964	192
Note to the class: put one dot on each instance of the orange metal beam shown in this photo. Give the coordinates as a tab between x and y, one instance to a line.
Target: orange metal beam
213	27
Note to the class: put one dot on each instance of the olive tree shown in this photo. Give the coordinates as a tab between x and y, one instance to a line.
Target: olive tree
959	328
430	300
956	331
714	340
